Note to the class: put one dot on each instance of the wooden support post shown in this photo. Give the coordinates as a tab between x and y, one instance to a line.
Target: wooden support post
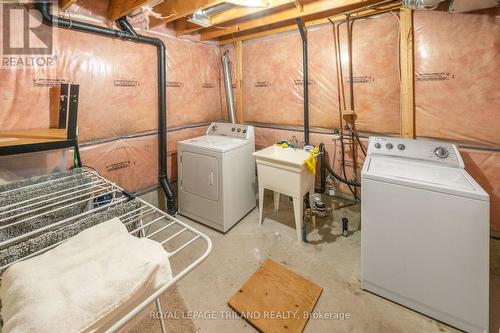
407	73
239	81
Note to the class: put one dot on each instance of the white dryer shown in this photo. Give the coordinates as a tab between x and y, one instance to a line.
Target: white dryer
425	231
216	175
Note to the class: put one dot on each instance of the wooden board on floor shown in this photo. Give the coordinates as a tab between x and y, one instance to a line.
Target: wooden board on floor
276	299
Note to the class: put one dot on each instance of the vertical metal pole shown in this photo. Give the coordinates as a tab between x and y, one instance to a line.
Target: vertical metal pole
160	311
228	84
349	50
63	105
351	93
73	112
305	79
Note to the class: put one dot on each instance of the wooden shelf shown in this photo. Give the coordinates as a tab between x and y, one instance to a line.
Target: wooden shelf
24	137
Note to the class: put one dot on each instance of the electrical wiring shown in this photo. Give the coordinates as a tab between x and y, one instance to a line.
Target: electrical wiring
341	98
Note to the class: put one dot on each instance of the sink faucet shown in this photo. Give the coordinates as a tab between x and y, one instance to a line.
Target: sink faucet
294	141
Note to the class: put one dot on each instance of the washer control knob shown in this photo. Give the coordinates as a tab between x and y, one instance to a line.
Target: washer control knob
233	129
214	128
401	146
441	152
378	145
239	130
244	131
389	146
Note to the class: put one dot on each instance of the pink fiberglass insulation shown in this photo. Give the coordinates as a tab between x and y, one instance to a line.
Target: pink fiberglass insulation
270	68
323	88
193	82
273	80
375	73
133	162
457	89
272	71
92	8
117	97
118	85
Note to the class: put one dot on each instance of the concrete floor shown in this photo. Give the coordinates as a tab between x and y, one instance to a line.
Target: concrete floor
329	259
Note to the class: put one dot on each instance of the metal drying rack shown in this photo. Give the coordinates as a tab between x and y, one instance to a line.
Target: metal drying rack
99	195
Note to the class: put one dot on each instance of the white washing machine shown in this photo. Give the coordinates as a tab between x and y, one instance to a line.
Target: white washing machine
216	175
425	231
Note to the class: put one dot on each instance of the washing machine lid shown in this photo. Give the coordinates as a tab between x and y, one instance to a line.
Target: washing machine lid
216	143
423	175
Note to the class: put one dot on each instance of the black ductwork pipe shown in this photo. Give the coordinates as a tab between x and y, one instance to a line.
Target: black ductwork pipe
131	35
126	26
305	79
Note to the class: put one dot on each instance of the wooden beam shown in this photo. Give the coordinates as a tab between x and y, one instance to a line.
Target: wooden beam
239	82
172	10
64	4
184	27
299	5
407	98
285	28
285	15
120	8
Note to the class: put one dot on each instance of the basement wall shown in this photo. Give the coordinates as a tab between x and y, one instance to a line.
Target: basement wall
457	91
118	110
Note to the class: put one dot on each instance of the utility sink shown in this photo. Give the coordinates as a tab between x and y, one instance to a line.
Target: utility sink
278	154
283	170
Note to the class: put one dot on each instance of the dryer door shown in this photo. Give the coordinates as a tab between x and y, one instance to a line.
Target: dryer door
199	175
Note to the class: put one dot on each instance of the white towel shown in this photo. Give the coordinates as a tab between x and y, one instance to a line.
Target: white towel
84	284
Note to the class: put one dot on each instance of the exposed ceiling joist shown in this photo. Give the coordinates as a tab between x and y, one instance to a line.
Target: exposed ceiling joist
268	32
172	10
184	27
285	15
299	5
64	4
120	8
290	27
228	15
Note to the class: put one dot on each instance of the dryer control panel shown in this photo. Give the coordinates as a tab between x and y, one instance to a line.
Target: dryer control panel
434	151
233	130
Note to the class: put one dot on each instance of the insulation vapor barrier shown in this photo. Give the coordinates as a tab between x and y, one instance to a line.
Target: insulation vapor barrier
117	90
132	162
118	93
118	102
272	91
375	62
444	66
277	78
